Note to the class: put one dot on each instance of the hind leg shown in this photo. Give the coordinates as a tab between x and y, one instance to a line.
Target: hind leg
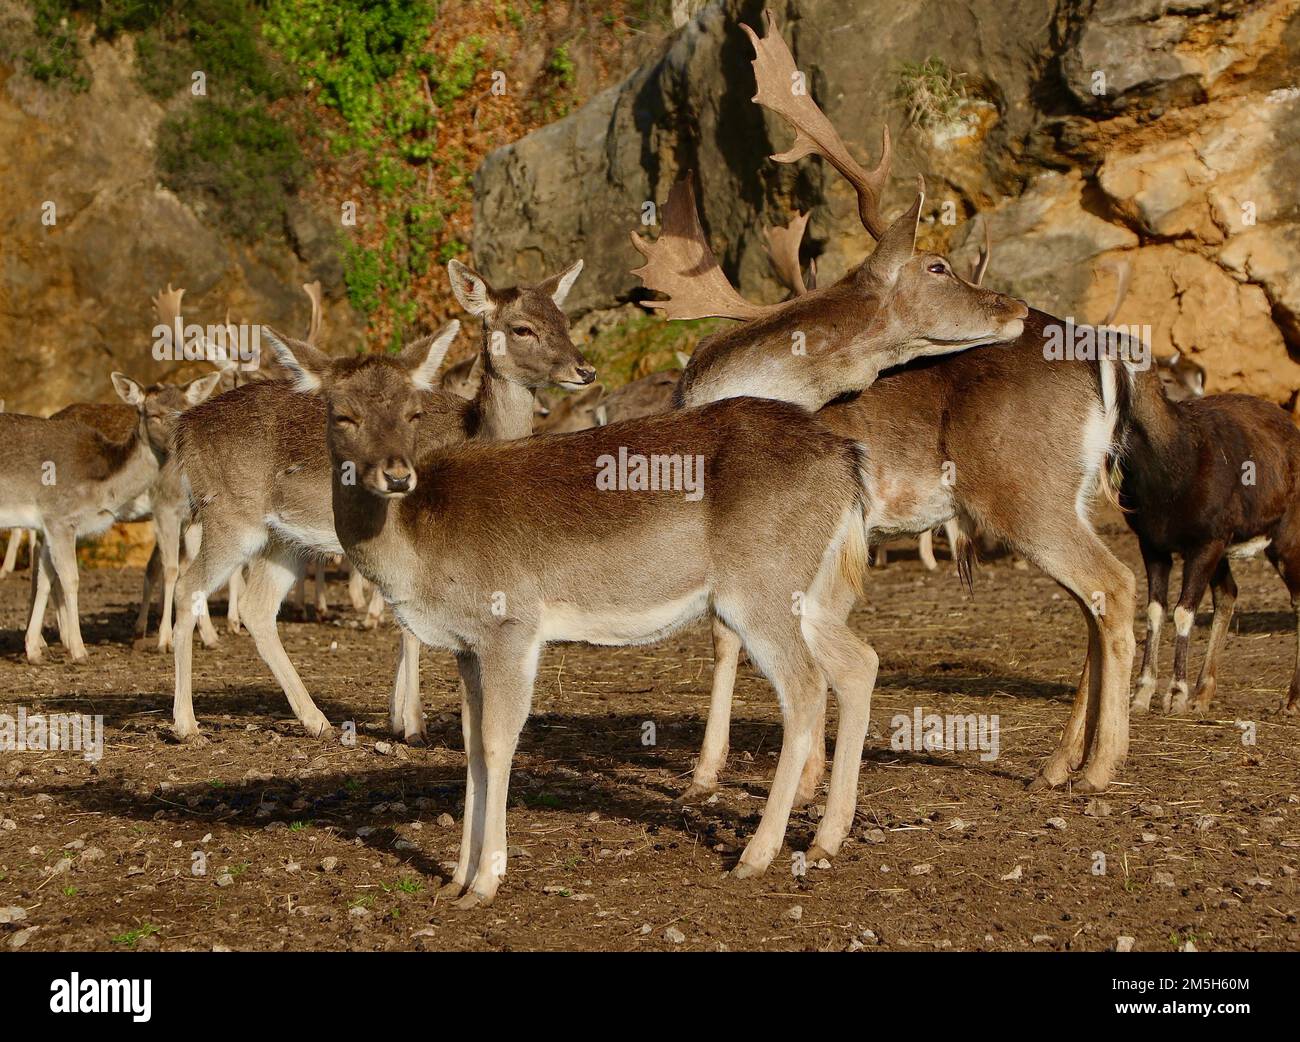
41	580
271	574
834	604
851	667
1284	553
1197	569
925	547
1224	589
11	552
152	581
223	550
62	542
356	588
1096	735
234	589
1158	565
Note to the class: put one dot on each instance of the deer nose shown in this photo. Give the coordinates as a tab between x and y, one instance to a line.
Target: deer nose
1019	308
398	476
586	373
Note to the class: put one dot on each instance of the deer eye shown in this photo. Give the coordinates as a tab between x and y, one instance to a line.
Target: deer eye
937	268
522	331
415	417
344	421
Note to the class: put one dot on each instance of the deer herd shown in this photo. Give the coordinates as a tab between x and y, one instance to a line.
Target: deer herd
901	398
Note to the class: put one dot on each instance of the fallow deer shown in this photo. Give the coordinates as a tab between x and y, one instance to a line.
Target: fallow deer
271	504
938	436
67	480
495	550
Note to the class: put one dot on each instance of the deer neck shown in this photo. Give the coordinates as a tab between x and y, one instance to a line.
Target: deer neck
371	533
132	467
504	407
1154	415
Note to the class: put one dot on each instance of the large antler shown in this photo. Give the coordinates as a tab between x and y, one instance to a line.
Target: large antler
680	264
781	88
312	289
783	250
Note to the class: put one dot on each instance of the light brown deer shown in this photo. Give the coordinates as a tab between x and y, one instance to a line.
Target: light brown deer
938	436
495	550
267	507
67	479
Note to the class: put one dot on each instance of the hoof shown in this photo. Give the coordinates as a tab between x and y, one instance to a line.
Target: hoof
816	852
234	628
193	738
323	729
1138	708
744	870
473	899
1088	787
78	658
36	656
417	740
450	891
695	794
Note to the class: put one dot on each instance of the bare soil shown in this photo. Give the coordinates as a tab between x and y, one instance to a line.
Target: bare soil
312	844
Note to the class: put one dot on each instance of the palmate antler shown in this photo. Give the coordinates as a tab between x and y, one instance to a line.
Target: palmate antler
168	307
680	264
783	251
1123	276
782	90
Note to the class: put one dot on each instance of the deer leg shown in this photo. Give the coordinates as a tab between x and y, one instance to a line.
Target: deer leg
167	526
375	610
925	547
952	530
152	577
1073	555
221	553
234	588
1284	553
319	588
405	714
356	588
1158	565
42	576
271	574
471	717
1224	590
851	667
62	542
506	674
837	605
11	552
801	689
1197	569
717	729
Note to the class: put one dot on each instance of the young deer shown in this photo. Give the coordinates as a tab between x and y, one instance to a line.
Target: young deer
937	436
270	506
495	550
67	479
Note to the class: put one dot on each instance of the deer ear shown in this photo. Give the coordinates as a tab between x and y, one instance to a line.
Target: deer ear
473	292
558	286
128	390
896	246
198	390
424	356
602	415
305	364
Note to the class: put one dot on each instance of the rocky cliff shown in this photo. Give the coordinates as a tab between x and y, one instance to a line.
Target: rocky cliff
1163	132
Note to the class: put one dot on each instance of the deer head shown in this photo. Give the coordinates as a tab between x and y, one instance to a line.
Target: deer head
382	410
160	405
525	335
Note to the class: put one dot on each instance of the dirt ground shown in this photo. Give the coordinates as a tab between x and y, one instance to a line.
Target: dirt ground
310	844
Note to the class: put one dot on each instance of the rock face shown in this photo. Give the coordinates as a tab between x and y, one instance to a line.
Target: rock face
1165	133
87	237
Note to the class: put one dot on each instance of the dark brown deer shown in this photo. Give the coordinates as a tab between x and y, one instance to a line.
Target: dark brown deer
1209	480
495	550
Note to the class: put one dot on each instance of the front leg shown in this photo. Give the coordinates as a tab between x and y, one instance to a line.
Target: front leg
1197	570
1158	565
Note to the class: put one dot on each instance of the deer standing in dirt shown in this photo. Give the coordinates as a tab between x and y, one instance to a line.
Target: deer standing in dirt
68	480
267	506
938	435
495	550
